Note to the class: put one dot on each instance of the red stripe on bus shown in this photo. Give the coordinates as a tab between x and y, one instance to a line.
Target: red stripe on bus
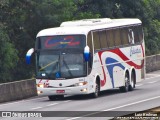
103	82
40	81
119	53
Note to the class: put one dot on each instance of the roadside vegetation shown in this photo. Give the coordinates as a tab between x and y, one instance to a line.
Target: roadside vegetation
20	21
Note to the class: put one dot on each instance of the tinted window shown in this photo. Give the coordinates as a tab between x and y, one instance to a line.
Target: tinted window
110	38
136	38
96	41
131	35
124	36
117	37
103	39
89	42
140	33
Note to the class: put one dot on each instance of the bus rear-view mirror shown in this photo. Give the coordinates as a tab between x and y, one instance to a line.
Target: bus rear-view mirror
28	55
86	53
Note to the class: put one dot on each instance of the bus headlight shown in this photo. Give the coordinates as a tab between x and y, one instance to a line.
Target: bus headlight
80	84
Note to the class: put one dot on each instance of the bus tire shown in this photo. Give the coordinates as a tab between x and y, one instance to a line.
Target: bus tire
125	88
97	90
132	83
54	97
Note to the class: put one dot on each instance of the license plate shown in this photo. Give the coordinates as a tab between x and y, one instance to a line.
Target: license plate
60	91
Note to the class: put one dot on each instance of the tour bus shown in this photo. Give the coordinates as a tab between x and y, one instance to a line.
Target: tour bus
89	56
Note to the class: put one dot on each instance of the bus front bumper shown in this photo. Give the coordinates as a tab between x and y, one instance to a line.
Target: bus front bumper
79	90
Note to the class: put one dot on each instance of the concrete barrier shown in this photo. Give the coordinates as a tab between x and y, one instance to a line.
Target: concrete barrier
27	88
152	63
17	90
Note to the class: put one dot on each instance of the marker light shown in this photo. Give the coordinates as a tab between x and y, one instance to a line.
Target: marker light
84	90
81	84
40	85
39	92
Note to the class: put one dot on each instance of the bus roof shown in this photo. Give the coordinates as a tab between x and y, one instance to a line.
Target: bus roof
86	25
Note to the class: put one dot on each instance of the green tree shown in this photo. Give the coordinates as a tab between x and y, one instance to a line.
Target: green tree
8	56
21	20
148	11
152	37
151	21
25	18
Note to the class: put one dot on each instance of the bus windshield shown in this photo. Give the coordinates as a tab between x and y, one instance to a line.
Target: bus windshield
60	41
53	64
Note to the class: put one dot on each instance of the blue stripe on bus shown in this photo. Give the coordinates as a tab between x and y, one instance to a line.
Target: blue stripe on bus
110	67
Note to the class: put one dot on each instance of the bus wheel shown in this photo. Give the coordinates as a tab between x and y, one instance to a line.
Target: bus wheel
97	90
132	83
54	97
126	87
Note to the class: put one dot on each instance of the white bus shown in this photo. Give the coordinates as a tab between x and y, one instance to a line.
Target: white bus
88	56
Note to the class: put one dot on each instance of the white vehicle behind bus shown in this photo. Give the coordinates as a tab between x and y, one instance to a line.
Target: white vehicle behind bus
89	56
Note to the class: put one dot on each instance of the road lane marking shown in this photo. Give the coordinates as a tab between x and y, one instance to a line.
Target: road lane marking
74	118
152	77
49	105
21	101
67	101
147	82
141	101
36	108
52	104
152	82
28	100
153	74
139	85
87	115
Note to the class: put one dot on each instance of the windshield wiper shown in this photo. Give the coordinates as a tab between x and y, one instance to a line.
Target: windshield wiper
67	68
55	61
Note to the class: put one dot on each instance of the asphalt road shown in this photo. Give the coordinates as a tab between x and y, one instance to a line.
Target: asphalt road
110	103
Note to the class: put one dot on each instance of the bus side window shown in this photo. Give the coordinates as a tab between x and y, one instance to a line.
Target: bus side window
124	34
136	37
110	38
96	41
117	37
103	38
89	42
140	33
131	36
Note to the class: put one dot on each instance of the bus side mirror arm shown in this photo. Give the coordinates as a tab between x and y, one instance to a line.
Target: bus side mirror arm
28	55
86	54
